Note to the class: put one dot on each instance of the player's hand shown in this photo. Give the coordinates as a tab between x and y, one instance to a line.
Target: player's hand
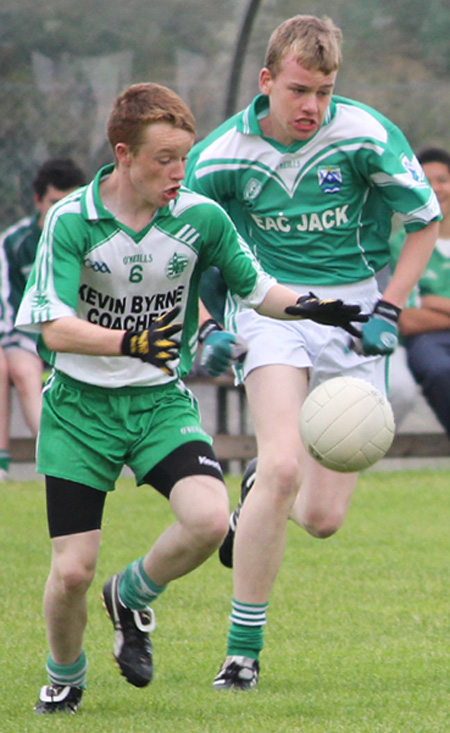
219	348
380	334
156	344
328	312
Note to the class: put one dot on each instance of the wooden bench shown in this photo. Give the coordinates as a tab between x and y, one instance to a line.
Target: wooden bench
241	445
405	445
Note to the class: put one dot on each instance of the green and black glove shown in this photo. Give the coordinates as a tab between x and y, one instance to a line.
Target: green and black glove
220	348
380	334
328	312
156	344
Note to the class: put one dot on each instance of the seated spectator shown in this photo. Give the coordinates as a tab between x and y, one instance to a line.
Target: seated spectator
4	408
5	318
426	328
19	362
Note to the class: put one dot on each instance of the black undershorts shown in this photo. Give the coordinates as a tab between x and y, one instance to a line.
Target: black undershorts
74	507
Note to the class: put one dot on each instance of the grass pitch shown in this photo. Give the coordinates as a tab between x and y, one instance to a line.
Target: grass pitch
357	639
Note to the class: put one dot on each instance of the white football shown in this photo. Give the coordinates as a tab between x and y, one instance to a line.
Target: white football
346	424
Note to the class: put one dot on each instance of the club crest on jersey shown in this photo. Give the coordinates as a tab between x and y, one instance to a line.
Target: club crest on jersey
330	179
413	168
252	189
176	266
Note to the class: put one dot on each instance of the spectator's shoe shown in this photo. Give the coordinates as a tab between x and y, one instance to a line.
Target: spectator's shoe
237	673
133	649
58	699
226	548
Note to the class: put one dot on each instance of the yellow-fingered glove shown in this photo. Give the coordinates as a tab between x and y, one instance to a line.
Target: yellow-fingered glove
156	344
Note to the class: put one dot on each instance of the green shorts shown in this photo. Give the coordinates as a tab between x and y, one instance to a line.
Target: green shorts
89	433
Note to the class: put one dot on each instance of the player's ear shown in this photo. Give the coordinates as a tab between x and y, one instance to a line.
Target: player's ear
265	80
122	153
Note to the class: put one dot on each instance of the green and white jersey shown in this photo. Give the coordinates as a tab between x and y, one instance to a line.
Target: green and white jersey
6	313
436	277
18	245
317	211
92	266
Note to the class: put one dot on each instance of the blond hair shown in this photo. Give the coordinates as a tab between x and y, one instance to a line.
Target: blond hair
316	43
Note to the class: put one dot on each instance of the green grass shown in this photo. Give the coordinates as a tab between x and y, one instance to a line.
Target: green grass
357	639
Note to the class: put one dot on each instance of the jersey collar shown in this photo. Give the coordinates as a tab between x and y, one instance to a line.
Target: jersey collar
91	202
248	123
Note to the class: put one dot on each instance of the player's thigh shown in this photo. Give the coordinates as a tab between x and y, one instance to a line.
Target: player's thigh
24	365
74	513
273	342
175	444
82	435
4	376
275	396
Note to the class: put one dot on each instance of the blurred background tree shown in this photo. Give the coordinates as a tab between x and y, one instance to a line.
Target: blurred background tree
63	63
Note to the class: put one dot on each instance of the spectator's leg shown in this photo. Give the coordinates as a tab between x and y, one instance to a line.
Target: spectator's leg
25	370
4	416
429	360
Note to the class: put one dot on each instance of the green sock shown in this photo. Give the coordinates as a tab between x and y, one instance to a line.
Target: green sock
5	460
246	634
136	590
68	674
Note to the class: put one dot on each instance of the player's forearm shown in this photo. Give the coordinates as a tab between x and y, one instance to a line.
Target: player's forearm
73	335
203	313
277	299
414	256
414	321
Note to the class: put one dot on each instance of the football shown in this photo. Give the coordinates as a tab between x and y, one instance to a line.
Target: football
346	424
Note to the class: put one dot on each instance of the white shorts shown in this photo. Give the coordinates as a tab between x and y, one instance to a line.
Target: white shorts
18	340
324	350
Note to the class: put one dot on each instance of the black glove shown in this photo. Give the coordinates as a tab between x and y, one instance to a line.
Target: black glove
155	345
328	312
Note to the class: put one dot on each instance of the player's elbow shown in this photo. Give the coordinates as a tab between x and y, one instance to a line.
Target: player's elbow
52	334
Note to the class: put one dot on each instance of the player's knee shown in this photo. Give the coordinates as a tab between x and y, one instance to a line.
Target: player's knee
20	375
285	480
74	577
323	525
210	527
